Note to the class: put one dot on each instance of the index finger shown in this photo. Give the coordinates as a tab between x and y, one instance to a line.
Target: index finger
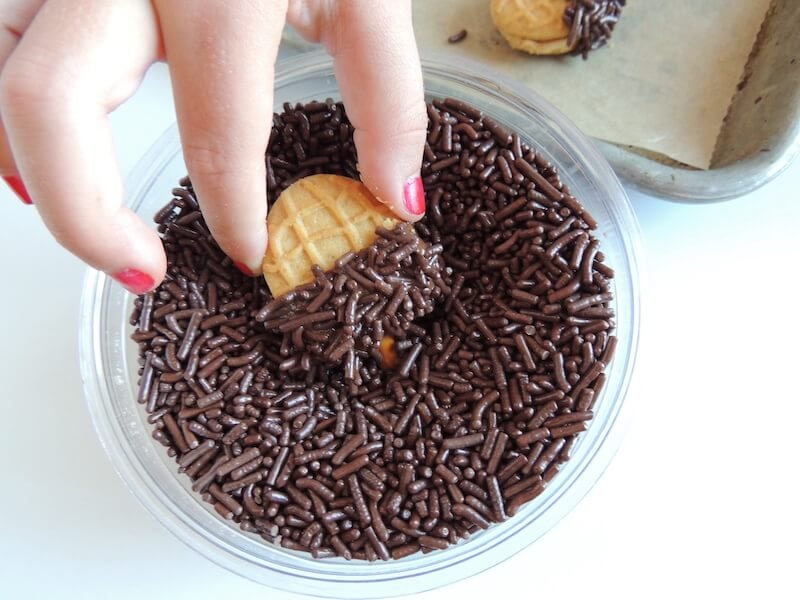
221	62
378	70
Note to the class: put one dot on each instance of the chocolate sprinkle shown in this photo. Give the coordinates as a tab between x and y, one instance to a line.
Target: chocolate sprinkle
457	37
591	23
289	414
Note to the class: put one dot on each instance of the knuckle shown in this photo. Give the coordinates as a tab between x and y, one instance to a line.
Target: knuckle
409	122
70	236
206	161
414	114
26	83
95	239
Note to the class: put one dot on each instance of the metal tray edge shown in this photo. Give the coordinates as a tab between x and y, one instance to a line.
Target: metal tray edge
778	150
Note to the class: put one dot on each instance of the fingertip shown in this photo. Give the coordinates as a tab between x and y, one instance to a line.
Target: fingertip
243	268
405	197
259	249
134	280
414	197
245	249
390	169
251	267
128	251
16	185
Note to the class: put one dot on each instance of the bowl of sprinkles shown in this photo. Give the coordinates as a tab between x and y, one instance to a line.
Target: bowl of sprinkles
414	413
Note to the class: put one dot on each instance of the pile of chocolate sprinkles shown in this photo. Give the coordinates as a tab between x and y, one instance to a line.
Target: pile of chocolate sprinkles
591	23
287	416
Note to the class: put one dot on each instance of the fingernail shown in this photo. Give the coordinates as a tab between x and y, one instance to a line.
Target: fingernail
15	183
243	268
134	280
414	195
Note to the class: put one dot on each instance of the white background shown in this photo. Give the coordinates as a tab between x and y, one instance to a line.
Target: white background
701	501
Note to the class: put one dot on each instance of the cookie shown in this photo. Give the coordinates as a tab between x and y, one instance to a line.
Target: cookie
315	221
535	26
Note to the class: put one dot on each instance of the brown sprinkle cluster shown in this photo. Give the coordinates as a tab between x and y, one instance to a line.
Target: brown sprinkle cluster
592	23
369	296
283	411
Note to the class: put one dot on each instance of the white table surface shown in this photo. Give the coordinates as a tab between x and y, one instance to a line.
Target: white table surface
701	500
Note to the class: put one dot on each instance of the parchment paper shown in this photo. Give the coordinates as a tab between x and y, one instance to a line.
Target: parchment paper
663	85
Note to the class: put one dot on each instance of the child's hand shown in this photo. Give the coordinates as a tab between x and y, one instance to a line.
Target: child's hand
65	64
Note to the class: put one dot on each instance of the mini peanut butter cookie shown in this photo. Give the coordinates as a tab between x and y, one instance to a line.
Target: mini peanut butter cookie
315	221
535	26
557	26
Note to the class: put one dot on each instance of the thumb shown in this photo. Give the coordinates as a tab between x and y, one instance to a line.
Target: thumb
379	73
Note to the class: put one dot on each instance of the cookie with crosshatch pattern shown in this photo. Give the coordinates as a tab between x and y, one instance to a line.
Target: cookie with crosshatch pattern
535	26
315	221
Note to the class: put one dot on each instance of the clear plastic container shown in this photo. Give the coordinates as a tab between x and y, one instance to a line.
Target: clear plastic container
108	358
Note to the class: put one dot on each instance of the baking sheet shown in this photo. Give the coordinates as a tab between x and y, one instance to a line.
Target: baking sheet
664	85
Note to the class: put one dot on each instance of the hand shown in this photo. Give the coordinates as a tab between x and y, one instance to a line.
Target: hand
65	64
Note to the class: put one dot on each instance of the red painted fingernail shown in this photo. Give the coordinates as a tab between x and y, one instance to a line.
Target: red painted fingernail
15	183
243	268
135	281
414	195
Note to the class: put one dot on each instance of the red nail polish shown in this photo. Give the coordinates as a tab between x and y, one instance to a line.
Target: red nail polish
243	268
414	195
134	281
15	183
